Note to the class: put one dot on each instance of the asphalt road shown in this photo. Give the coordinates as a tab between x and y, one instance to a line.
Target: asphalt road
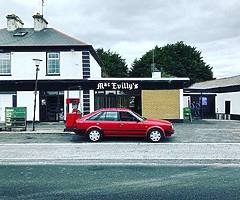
119	182
201	161
200	131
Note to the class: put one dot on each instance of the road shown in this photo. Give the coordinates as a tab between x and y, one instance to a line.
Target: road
200	131
51	182
201	161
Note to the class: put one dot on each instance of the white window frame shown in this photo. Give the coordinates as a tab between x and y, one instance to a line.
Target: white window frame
5	59
57	59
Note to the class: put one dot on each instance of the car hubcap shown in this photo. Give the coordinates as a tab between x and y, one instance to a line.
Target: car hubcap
94	135
155	136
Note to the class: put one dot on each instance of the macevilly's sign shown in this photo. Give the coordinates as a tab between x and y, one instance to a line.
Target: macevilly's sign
117	86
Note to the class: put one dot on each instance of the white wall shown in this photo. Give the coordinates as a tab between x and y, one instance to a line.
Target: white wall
234	97
181	102
186	100
26	99
95	70
5	101
23	67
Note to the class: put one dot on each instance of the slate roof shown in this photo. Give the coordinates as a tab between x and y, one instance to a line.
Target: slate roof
218	83
45	37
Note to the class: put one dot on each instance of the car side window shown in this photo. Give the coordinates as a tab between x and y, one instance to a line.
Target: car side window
98	117
126	116
112	116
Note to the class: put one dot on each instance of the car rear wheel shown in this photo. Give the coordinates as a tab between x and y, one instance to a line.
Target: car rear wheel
155	135
94	135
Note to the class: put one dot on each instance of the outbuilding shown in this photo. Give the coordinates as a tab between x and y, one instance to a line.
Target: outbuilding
218	98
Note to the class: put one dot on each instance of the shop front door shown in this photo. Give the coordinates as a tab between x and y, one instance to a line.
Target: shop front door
51	106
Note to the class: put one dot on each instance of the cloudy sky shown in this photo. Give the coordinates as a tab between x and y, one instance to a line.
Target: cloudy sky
132	27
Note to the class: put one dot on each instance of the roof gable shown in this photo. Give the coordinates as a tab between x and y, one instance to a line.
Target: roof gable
223	82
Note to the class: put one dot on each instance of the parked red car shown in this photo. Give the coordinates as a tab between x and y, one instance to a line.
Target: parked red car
121	122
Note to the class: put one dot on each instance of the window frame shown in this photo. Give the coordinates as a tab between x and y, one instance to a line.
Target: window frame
103	113
99	114
118	117
47	66
136	119
10	65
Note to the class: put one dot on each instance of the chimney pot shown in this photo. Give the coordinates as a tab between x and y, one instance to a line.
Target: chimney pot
13	22
156	73
39	22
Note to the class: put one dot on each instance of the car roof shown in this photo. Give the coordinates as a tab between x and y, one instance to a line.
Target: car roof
114	109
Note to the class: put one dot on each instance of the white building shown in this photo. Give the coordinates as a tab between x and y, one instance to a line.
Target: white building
71	69
66	61
219	98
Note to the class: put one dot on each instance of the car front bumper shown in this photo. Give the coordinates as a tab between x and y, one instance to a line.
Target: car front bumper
169	133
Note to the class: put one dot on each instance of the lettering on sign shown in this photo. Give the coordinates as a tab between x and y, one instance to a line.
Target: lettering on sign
117	86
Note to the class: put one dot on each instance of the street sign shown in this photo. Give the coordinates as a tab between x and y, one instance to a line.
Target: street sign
15	117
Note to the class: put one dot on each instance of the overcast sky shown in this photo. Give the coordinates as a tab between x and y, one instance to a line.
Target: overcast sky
132	27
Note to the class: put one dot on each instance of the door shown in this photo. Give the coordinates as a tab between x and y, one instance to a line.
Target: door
51	106
227	107
107	121
111	124
130	125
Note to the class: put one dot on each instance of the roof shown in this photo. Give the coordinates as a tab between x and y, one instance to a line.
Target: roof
140	79
218	83
45	37
113	109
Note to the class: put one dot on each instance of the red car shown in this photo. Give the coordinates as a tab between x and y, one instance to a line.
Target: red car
121	122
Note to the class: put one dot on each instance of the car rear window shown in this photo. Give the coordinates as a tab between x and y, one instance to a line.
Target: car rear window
98	116
105	116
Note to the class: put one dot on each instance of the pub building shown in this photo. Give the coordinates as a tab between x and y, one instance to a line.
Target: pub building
70	68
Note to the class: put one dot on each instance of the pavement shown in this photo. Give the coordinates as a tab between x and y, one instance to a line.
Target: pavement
40	128
118	151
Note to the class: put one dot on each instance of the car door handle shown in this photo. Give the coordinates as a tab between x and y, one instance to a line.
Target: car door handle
121	124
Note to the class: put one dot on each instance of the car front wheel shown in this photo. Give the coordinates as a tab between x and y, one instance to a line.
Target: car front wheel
94	135
155	135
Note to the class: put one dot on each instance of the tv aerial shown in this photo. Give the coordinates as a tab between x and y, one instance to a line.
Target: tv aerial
43	4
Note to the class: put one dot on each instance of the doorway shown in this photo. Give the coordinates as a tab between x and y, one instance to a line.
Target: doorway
51	106
227	107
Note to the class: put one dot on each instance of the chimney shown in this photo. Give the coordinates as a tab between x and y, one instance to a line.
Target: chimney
39	22
156	73
13	22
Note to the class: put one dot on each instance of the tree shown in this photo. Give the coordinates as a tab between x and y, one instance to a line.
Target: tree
113	64
179	60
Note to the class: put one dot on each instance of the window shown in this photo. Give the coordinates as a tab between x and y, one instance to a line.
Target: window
111	116
99	116
126	116
53	63
105	116
5	64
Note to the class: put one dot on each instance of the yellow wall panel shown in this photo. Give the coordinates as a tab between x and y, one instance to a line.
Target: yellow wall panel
161	104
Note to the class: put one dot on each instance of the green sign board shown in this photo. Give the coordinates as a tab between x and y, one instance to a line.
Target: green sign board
15	117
